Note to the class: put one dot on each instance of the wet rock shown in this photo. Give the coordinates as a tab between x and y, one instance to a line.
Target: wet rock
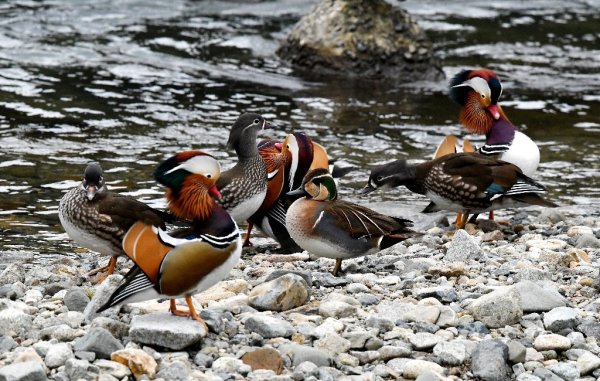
113	368
451	352
268	326
81	370
58	354
76	299
587	363
166	330
366	39
587	241
281	294
410	368
15	322
176	371
539	297
264	358
463	247
301	353
516	352
488	361
560	318
565	371
551	342
229	365
29	371
139	362
498	308
99	341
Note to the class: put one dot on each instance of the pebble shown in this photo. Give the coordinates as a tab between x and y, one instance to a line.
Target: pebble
139	362
451	352
280	294
301	353
411	368
498	308
424	340
489	361
268	326
76	299
29	371
560	318
565	371
539	297
229	365
99	341
264	358
58	354
113	368
462	247
516	352
587	363
166	330
551	342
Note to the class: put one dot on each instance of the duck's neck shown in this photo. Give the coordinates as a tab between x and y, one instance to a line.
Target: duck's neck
417	174
501	132
246	147
219	223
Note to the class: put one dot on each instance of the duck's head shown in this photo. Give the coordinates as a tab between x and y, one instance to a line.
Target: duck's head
243	134
478	92
271	151
389	175
299	149
318	184
93	181
190	178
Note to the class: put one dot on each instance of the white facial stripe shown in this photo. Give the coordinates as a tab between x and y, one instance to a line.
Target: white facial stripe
201	164
478	84
294	150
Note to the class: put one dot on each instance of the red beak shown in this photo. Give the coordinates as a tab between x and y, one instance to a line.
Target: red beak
495	111
279	146
213	191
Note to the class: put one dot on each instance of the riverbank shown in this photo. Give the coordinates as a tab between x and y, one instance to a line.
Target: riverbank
491	302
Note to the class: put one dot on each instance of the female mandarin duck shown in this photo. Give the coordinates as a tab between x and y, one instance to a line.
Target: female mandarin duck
478	92
462	182
192	259
332	228
98	219
244	186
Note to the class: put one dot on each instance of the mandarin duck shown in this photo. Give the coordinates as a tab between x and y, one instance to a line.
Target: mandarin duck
462	182
478	92
328	227
244	186
98	219
192	259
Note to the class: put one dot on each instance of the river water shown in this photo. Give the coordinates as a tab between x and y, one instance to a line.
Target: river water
128	82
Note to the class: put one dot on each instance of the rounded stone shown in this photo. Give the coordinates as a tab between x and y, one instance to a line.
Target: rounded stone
280	294
551	342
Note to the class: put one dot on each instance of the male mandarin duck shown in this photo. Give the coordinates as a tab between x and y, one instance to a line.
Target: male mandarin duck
327	227
190	260
478	92
462	182
244	186
97	219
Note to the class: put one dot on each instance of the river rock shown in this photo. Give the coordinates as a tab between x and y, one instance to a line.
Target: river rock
579	230
333	344
23	371
139	362
15	322
360	38
57	355
546	244
388	352
408	311
462	248
539	297
488	361
268	326
81	370
424	340
7	343
410	368
566	371
301	353
306	275
113	368
229	365
166	330
264	358
587	241
516	352
587	363
338	306
76	299
175	371
552	341
498	308
281	294
451	352
101	296
99	341
560	318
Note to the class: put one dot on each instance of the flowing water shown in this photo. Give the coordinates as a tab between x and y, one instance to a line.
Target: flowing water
127	83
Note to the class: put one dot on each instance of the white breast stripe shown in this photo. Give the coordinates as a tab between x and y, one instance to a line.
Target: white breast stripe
318	220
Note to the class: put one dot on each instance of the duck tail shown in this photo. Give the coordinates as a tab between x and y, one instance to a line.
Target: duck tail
534	199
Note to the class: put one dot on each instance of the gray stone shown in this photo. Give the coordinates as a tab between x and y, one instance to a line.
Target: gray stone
58	354
401	52
76	299
23	371
99	341
587	363
410	368
85	355
367	299
328	280
462	248
336	309
332	343
451	352
488	361
366	357
382	324
552	341
15	322
304	370
590	327
587	241
329	374
115	327
268	326
61	332
300	353
430	376
113	368
203	360
101	296
166	330
281	294
516	352
498	308
7	344
565	371
230	365
539	297
447	317
13	273
358	339
305	274
560	318
81	369
388	352
424	340
176	371
552	216
546	375
408	311
445	294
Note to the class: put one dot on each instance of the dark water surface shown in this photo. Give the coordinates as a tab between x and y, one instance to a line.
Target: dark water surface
127	83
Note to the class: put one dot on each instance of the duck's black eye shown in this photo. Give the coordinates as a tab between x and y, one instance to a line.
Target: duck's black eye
208	176
483	96
256	121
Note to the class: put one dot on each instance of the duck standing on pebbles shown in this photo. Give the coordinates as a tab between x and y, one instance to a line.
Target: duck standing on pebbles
98	219
244	186
462	182
192	259
327	227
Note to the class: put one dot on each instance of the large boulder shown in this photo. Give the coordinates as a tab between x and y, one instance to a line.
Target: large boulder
361	38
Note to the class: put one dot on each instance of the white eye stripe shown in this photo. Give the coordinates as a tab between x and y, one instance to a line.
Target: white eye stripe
200	164
478	84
